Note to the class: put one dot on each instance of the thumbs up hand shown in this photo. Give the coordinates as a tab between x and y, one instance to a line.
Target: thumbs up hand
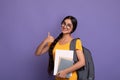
49	38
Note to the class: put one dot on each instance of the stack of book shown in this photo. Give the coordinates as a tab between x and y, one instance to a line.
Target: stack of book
63	60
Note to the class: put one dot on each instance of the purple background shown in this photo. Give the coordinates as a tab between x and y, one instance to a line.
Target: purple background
25	23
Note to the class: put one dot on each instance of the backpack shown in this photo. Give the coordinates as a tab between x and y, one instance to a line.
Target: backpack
87	72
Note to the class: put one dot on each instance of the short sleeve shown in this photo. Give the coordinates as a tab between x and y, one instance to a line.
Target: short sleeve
78	44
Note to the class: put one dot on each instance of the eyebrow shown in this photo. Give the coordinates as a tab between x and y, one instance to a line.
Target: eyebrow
68	23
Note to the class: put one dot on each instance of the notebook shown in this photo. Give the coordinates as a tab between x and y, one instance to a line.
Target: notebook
63	64
62	57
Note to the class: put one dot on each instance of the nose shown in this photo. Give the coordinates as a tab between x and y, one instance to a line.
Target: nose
65	26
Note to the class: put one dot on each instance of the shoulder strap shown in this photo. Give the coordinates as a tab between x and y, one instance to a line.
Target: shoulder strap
72	47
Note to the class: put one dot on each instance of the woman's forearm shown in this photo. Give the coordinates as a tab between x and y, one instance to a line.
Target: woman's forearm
40	48
43	47
76	66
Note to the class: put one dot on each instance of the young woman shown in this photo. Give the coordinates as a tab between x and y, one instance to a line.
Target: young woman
62	42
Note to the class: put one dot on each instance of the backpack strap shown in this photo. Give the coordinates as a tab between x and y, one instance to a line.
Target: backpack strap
73	47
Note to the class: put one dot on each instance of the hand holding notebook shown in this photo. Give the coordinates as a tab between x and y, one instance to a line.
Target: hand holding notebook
63	59
63	64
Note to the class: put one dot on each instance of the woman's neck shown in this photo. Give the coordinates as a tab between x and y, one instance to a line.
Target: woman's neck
66	36
65	39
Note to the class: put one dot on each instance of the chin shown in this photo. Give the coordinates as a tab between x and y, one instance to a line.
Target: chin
65	32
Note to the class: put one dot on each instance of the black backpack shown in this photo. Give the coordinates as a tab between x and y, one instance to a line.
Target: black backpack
87	72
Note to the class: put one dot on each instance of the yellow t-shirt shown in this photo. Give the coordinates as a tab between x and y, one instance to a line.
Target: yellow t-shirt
67	47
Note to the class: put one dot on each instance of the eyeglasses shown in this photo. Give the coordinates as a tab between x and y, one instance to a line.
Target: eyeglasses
68	26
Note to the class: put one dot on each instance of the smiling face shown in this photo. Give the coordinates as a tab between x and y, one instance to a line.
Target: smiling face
66	26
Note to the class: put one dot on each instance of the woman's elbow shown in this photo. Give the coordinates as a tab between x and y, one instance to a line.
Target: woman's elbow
37	53
82	63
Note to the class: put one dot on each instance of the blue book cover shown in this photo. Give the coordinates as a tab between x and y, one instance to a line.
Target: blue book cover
63	64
